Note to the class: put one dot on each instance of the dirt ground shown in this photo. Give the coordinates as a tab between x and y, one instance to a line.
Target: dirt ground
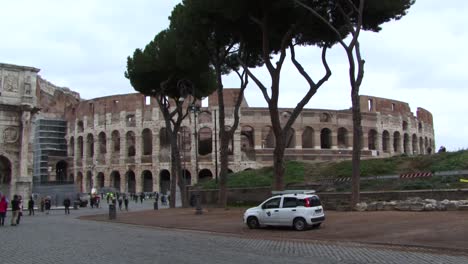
430	230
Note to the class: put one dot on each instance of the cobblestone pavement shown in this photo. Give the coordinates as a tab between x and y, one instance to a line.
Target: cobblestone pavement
60	238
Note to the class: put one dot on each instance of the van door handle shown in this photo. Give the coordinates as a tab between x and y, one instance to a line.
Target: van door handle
294	210
276	211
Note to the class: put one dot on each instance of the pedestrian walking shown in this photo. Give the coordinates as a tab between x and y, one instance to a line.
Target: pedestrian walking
31	206
67	203
3	210
47	205
42	204
120	203
142	196
20	213
14	209
126	202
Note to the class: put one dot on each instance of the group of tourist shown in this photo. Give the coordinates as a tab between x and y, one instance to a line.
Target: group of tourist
16	209
16	205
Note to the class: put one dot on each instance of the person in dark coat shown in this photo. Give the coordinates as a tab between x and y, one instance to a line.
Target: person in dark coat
15	209
47	205
126	202
67	203
31	206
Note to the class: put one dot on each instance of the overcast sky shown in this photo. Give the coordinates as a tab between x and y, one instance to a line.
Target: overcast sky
420	59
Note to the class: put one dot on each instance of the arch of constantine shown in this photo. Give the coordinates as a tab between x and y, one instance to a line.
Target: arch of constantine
120	141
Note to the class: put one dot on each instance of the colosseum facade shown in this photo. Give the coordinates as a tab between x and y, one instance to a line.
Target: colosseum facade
120	141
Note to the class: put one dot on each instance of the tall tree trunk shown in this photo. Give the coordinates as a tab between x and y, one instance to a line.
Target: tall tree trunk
357	144
278	165
224	142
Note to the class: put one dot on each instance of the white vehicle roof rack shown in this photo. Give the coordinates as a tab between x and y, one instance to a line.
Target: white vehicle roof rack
293	192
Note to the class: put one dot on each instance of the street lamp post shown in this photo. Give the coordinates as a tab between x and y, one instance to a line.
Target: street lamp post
195	109
216	147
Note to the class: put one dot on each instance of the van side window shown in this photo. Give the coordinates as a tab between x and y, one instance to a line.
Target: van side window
289	202
273	203
300	202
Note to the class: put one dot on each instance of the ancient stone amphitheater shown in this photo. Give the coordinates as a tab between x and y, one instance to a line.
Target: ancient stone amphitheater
52	137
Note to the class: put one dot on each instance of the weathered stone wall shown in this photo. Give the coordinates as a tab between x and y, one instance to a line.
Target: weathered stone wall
121	138
18	104
332	201
318	135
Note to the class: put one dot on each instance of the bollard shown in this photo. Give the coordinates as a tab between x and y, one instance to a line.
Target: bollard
198	210
112	212
155	205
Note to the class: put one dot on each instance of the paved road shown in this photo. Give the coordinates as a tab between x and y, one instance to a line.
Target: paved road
59	238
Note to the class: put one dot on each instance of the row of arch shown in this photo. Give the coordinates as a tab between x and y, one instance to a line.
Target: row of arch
128	181
323	140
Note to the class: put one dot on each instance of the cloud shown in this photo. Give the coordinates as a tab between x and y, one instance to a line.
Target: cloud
420	59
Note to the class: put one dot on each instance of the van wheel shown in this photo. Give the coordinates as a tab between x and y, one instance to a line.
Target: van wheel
299	224
252	222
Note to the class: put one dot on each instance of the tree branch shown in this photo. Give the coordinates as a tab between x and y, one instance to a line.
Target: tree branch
260	85
313	87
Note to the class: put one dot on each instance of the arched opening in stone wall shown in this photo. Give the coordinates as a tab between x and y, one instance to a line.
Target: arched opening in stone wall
185	142
164	181
385	141
406	143
231	142
100	180
343	142
420	127
204	117
130	140
268	138
372	139
429	149
421	145
405	125
5	175
396	142
71	150
205	175
115	143
80	126
61	171
147	141
89	181
325	138
79	181
247	138
164	141
290	138
147	181
90	145
115	180
130	120
131	182
308	137
247	143
80	147
102	141
187	177
205	141
415	144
